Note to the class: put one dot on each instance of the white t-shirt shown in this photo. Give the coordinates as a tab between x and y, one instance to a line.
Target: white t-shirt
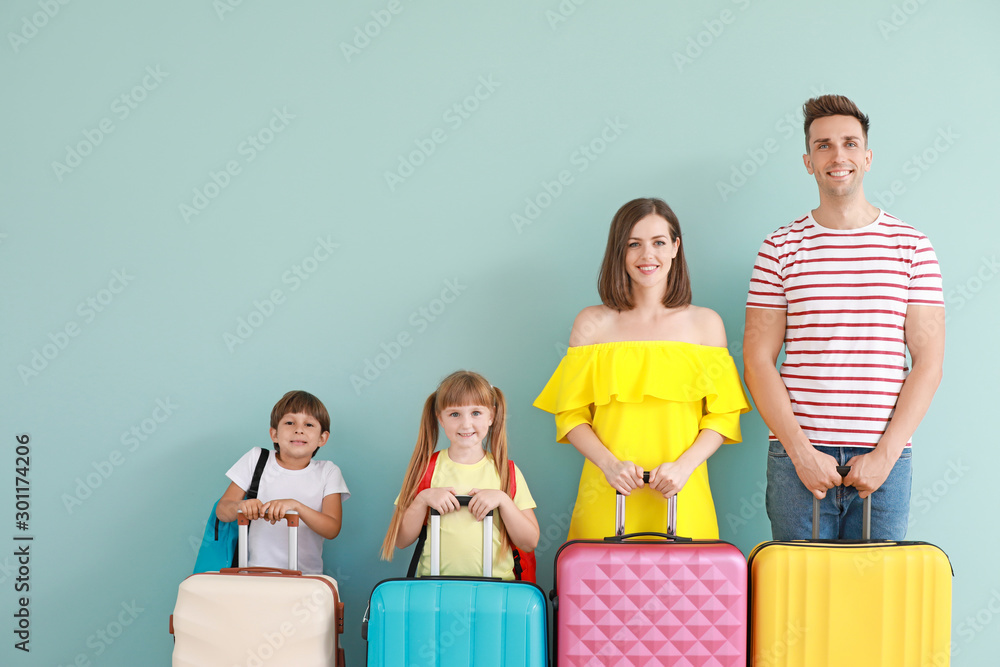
269	543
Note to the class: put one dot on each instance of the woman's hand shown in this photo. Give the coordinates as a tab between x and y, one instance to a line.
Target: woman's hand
669	478
623	476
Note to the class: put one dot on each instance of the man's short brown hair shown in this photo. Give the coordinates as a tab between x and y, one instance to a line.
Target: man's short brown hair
832	105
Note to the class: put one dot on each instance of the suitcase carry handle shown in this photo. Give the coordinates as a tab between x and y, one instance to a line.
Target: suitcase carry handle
435	533
259	570
668	536
620	512
866	511
291	518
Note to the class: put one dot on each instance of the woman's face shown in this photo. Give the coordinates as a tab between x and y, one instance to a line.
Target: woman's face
649	252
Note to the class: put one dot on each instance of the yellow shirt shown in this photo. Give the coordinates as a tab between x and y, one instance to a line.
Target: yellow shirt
647	402
461	534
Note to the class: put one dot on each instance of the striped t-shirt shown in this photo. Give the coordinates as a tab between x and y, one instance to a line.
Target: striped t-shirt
846	294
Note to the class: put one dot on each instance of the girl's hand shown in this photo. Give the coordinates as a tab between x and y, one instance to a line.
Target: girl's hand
275	510
669	478
441	499
624	476
251	508
485	501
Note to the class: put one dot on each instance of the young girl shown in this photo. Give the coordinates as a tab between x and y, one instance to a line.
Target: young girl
473	415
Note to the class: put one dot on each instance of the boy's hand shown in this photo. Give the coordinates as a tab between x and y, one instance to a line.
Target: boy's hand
442	499
252	508
275	510
485	501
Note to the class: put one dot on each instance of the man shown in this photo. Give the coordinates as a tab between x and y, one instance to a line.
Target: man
848	289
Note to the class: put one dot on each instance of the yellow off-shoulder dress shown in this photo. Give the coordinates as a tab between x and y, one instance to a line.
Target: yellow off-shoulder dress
647	402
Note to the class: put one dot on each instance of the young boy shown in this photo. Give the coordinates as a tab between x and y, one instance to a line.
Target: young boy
292	481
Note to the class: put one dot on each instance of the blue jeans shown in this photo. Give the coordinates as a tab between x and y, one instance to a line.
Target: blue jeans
790	504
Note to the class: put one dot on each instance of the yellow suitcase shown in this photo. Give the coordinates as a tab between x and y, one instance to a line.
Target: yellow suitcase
819	603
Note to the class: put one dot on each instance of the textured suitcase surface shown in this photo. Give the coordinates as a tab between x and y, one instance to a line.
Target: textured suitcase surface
670	601
453	622
840	603
650	603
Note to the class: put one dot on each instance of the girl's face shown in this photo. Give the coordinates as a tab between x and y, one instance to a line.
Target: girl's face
650	251
466	426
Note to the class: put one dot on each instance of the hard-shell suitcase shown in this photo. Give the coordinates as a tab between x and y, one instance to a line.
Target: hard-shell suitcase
456	621
258	616
867	603
632	600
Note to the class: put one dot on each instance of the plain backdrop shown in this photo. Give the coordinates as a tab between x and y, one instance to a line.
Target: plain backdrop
207	204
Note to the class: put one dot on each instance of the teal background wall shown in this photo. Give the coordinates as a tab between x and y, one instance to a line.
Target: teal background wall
208	204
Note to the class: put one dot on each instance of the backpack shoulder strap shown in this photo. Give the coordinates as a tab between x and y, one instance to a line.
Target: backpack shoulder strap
425	483
257	474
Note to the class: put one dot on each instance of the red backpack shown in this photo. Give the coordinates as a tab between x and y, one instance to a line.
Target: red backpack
524	563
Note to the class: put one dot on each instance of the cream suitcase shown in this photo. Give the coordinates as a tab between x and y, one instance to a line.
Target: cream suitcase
258	616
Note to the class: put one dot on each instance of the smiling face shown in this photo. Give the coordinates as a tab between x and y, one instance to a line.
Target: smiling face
838	156
298	435
650	251
466	426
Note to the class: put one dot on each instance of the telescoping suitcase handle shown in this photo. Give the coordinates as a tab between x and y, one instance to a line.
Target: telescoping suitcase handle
620	513
291	518
866	511
435	539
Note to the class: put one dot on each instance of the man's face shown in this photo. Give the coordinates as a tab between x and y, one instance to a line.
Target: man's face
838	156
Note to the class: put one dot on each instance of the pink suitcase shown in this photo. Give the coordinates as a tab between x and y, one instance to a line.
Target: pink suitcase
650	599
258	616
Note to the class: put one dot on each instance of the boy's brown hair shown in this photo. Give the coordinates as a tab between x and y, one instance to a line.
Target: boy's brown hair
614	284
296	402
832	105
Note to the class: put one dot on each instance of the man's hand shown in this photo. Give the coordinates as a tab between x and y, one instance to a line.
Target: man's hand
817	472
868	472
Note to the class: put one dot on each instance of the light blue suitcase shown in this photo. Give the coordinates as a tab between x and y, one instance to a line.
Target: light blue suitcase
456	621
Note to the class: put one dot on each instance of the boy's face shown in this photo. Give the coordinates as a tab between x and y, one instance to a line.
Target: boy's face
838	157
298	435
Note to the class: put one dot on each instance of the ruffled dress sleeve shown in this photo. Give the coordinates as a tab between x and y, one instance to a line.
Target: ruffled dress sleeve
592	376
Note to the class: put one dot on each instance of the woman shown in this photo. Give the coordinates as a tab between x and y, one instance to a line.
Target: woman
647	384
